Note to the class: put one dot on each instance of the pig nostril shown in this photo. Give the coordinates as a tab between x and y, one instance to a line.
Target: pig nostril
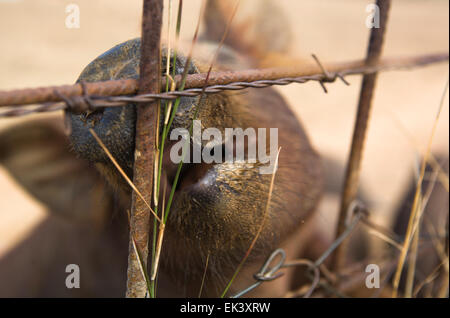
92	116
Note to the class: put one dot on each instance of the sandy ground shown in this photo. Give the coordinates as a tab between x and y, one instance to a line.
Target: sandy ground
37	49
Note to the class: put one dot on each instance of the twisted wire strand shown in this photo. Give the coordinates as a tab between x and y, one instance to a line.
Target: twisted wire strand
76	98
356	211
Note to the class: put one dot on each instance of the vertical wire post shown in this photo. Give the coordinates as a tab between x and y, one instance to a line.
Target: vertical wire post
145	141
351	181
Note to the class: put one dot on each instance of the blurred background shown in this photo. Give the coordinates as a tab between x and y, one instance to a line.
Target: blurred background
37	49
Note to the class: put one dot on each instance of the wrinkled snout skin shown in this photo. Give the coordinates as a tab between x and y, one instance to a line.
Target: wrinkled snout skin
114	125
218	208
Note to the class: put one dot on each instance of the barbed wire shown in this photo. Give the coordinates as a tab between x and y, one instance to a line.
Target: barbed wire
81	97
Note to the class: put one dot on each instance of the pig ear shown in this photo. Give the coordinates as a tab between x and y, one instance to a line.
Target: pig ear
259	29
36	153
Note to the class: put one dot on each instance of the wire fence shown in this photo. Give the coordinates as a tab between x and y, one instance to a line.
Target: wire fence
85	96
267	273
82	97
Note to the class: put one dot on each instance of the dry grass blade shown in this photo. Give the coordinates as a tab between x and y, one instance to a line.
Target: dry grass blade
168	122
169	26
141	265
385	238
156	178
423	201
222	41
204	276
443	292
166	127
439	247
269	198
162	226
169	106
414	209
110	156
175	108
381	232
431	277
157	236
410	275
156	249
442	176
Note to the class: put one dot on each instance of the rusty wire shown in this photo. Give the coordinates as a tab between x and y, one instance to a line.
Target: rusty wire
356	212
105	94
144	158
